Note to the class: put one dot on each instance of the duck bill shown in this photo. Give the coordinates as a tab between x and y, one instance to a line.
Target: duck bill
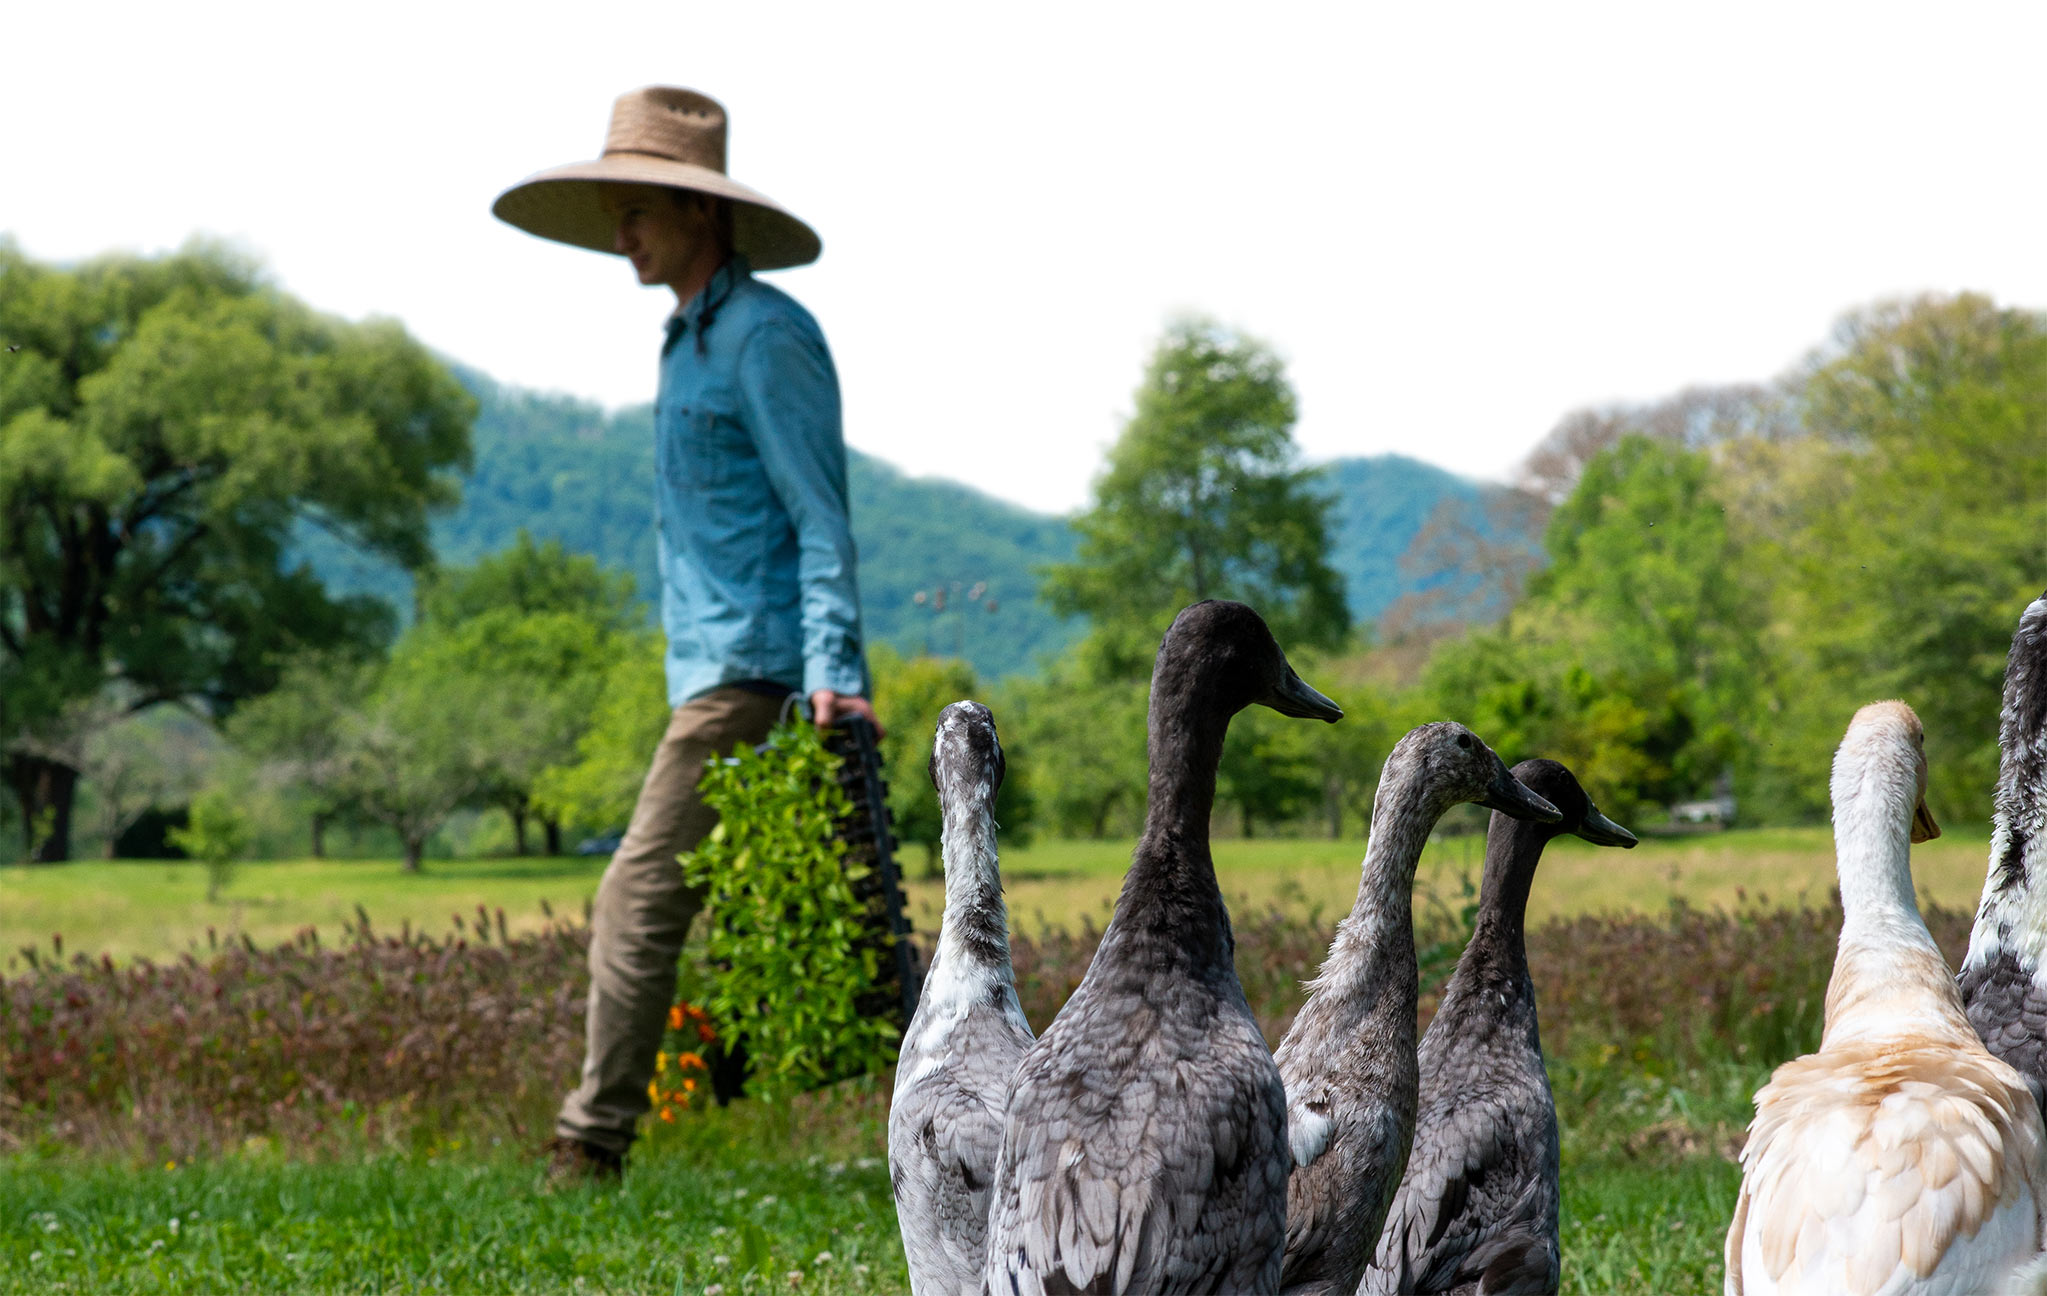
1602	831
1511	797
1294	698
1923	827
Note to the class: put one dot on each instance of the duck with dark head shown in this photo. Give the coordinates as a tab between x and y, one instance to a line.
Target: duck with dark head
1477	1209
1349	1060
1145	1145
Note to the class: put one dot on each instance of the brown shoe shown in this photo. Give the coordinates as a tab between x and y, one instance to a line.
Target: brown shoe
573	1163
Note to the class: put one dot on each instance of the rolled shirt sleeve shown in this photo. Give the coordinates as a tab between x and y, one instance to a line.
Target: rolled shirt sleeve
790	394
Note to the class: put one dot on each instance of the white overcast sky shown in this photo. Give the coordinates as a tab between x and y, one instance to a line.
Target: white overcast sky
1456	222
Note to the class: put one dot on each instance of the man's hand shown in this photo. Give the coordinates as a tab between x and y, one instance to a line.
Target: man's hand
828	706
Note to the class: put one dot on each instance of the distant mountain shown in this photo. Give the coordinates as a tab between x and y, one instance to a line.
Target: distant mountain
564	469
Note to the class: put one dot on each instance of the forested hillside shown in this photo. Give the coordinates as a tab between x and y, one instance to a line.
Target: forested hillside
564	469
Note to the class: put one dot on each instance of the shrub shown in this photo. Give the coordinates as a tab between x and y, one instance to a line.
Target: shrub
801	980
215	833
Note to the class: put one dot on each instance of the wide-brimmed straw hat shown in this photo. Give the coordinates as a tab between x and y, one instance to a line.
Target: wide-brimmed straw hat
659	136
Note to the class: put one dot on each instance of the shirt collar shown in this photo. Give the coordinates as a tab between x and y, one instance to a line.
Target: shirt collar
716	289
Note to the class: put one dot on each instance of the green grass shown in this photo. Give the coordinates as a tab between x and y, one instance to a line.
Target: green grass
470	1220
445	1224
1646	1227
159	909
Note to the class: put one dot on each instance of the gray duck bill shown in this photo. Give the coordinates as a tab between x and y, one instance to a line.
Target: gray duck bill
1602	831
1294	698
1510	796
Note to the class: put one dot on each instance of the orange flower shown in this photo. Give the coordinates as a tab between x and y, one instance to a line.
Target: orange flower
705	1034
653	1092
675	1018
689	1086
668	1114
688	1062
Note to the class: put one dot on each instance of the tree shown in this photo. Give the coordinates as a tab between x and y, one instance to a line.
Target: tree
1086	739
597	786
297	733
1636	657
166	427
545	623
908	696
1203	498
421	745
1924	538
532	578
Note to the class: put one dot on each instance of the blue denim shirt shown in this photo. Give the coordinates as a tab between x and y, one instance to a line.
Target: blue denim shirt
756	551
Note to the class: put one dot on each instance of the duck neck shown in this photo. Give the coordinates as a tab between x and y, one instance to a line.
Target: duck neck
1374	944
1172	865
2012	918
1873	861
1888	974
2020	817
1500	935
976	927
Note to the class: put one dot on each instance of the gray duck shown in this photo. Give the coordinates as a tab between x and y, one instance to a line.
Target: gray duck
1349	1060
2003	982
1477	1209
1145	1145
962	1046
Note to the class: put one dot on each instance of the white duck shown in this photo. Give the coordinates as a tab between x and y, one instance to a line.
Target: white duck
1902	1159
961	1050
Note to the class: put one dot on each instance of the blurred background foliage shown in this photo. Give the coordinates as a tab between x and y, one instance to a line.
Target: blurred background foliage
391	607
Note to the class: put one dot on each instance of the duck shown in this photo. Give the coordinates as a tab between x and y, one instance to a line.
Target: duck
1348	1061
2003	980
1903	1157
1477	1209
1144	1149
968	1033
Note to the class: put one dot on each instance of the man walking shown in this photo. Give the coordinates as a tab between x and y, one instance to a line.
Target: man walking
756	556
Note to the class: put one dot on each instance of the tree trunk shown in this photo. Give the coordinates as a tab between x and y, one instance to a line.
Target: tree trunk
553	828
517	810
319	835
414	848
45	790
1248	832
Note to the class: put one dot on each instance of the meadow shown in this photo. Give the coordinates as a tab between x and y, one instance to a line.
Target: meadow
159	909
357	1109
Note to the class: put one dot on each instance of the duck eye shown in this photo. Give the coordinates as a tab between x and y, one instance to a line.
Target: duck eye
1464	741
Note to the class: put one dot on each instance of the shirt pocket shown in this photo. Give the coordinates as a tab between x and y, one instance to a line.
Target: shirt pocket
718	453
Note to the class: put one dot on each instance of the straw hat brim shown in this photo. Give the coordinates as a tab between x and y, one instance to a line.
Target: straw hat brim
565	204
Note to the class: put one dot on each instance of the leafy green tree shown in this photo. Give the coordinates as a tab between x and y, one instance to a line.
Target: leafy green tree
1636	657
531	578
1086	745
598	784
1203	497
217	835
423	742
166	425
1267	773
296	734
546	625
908	694
1929	534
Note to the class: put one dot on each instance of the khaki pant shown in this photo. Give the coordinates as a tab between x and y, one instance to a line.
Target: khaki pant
643	911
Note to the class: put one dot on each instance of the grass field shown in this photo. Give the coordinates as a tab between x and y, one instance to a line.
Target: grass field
761	1198
159	909
704	1210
